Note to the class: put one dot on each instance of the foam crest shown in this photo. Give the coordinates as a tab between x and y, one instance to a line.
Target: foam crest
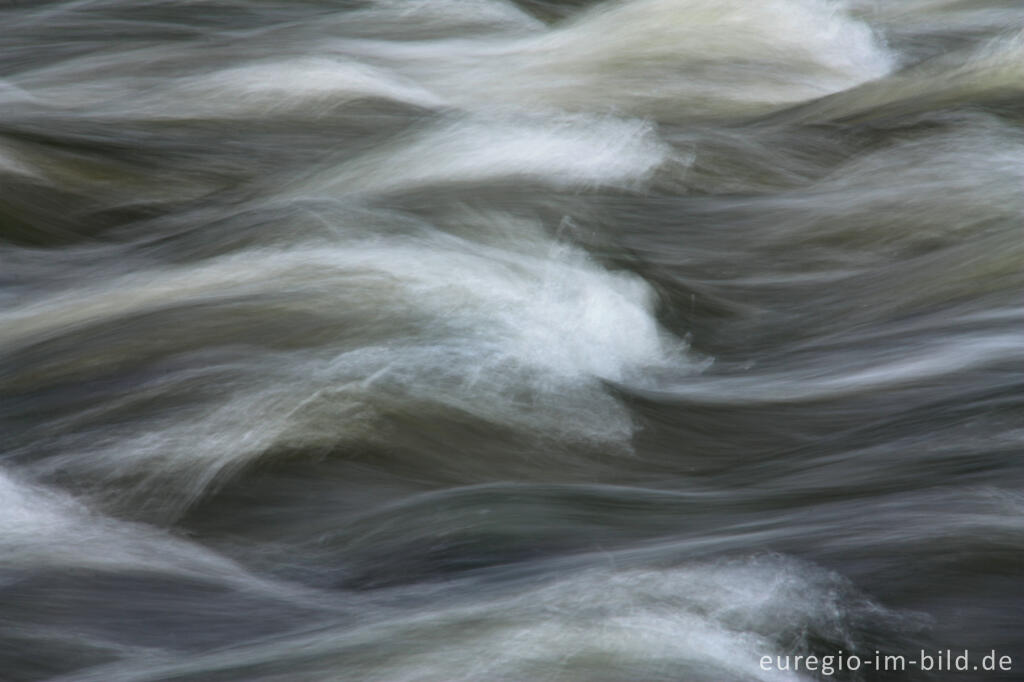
564	151
313	84
523	338
42	527
685	58
695	621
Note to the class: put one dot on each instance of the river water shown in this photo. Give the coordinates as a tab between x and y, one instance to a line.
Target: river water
441	340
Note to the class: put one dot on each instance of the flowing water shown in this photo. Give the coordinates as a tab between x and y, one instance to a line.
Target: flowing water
439	340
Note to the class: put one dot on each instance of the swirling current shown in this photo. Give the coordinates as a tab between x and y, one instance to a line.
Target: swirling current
511	340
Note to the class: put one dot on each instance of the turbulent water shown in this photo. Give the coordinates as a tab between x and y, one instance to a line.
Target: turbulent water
441	340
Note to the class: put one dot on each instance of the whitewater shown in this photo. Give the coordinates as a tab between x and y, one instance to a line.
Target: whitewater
510	340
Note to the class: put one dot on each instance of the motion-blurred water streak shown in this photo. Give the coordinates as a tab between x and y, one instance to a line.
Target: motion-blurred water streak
438	340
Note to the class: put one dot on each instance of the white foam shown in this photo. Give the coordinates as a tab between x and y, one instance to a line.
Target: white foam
520	337
709	620
449	15
563	151
40	527
291	84
675	59
670	58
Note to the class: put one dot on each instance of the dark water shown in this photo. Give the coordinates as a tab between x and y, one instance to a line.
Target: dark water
445	340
